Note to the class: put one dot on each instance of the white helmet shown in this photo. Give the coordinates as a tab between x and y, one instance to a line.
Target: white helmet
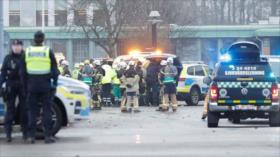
163	62
170	60
65	62
97	62
131	63
123	65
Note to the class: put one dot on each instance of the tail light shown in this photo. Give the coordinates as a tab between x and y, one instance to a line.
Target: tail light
213	93
275	93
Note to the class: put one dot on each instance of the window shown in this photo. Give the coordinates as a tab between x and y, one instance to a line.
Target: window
80	17
199	71
190	70
99	18
14	16
80	50
40	13
60	12
14	13
60	17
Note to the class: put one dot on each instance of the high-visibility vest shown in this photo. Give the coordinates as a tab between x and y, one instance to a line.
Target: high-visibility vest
37	59
108	74
75	73
60	68
115	80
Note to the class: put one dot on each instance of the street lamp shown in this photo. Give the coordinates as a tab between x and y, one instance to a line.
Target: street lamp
154	19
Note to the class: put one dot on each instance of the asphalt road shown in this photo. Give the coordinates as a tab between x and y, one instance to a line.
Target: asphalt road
110	133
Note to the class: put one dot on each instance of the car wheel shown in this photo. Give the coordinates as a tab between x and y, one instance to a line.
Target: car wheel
193	97
57	118
212	119
274	119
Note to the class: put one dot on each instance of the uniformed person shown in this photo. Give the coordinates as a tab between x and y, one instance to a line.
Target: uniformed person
106	82
76	71
169	74
40	76
132	88
65	69
97	77
11	76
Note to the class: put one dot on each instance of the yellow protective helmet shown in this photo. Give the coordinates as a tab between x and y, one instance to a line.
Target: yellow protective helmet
82	64
86	61
76	65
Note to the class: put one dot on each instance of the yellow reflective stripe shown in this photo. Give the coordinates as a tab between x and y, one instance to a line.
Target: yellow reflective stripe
236	101
222	101
267	101
252	101
185	89
76	97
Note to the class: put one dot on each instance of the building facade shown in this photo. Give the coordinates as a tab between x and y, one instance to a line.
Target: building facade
24	17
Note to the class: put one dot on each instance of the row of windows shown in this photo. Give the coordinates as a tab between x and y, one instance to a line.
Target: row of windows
60	18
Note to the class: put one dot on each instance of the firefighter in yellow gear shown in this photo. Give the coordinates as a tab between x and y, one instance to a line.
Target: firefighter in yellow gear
76	71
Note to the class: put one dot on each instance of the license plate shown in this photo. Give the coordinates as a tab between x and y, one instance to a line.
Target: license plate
244	107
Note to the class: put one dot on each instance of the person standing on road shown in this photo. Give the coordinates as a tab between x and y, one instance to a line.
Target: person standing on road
169	74
152	82
40	75
11	76
106	82
132	88
65	69
76	71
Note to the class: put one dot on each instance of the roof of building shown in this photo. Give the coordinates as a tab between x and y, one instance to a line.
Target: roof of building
223	31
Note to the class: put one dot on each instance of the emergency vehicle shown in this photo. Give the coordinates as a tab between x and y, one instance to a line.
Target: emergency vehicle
72	102
191	87
243	86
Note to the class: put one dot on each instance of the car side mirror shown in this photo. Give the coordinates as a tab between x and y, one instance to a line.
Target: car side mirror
207	80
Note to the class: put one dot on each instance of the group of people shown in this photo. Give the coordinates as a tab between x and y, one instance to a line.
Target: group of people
129	84
30	77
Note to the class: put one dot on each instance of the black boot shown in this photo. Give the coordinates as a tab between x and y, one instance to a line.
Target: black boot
31	140
9	138
49	140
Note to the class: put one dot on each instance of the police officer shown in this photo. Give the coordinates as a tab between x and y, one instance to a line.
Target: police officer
40	75
11	75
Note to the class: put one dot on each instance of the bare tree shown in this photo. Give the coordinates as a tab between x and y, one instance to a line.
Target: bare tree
104	28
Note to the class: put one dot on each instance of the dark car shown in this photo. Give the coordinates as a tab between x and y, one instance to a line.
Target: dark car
243	87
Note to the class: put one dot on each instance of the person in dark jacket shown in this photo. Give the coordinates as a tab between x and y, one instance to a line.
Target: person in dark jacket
11	76
153	85
39	75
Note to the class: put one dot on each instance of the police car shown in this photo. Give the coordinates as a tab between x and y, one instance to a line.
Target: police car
191	87
243	87
72	102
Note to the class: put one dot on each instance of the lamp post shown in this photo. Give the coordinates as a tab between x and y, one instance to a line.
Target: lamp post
154	19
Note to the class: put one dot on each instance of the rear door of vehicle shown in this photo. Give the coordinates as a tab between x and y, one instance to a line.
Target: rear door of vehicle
244	84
